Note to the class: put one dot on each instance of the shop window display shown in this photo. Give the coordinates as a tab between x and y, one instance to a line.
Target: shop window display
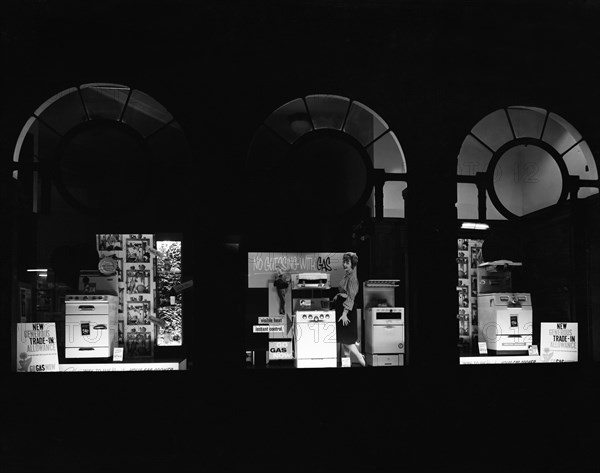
113	300
325	158
132	302
522	173
295	308
502	313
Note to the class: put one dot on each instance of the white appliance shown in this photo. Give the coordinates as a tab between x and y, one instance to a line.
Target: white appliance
310	281
315	339
384	336
90	325
505	322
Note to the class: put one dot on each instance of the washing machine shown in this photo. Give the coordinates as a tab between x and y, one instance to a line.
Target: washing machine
315	339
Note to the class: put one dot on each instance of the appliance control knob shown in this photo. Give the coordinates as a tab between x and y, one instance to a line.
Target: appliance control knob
321	316
326	316
304	316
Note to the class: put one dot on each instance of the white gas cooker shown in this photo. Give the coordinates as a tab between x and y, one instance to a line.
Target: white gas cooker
315	338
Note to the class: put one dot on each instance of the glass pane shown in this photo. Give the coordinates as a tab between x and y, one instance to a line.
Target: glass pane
63	111
491	210
364	124
104	167
327	111
386	153
290	121
560	134
104	100
328	156
393	201
580	162
170	164
170	303
466	204
473	157
527	179
145	114
527	122
494	130
586	192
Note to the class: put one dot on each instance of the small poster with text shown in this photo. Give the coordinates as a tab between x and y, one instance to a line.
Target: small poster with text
558	342
37	349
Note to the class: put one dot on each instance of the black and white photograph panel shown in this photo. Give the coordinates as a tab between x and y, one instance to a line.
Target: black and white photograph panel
138	280
110	242
137	250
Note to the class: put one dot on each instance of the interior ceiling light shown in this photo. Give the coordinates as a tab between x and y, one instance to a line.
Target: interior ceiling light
37	270
474	226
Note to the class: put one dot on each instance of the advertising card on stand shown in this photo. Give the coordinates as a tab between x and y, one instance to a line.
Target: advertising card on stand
558	342
37	350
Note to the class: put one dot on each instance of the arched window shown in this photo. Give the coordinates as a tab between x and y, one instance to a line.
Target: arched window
519	160
330	144
101	145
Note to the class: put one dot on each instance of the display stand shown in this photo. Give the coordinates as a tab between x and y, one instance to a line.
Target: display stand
468	258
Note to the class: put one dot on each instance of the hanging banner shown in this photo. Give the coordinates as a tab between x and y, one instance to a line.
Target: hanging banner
558	341
37	350
262	266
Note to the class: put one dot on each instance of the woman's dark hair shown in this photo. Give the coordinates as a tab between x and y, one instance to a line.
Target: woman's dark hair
350	257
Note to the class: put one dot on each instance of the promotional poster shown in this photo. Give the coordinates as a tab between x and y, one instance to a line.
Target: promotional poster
37	349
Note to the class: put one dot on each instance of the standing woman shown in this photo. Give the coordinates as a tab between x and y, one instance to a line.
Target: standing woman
345	312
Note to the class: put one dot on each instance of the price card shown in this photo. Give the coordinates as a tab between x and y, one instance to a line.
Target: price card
482	348
118	354
533	350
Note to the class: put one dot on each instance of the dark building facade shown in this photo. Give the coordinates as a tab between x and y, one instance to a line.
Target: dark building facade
432	70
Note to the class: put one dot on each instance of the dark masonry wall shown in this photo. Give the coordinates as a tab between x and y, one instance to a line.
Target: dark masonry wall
431	70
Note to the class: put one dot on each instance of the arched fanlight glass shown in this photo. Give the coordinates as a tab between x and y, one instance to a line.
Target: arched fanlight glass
527	156
126	124
294	122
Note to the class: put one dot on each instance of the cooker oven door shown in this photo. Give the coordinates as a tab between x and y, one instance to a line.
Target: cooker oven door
388	338
315	340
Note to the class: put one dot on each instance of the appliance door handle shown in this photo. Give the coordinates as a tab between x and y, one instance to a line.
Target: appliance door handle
100	327
87	307
86	349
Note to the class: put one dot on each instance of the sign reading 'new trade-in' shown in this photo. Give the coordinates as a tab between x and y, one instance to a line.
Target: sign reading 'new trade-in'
37	349
558	341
